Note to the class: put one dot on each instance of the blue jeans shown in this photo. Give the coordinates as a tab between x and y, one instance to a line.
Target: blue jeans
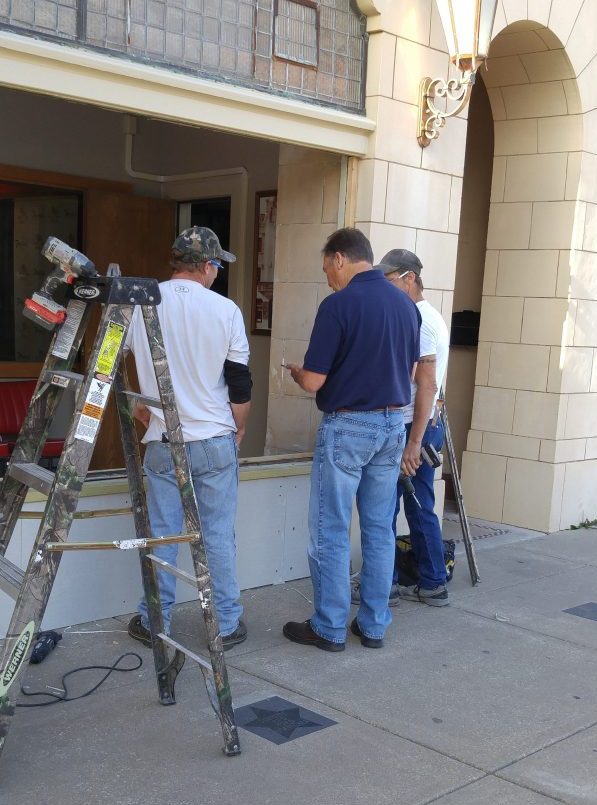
356	454
214	470
425	530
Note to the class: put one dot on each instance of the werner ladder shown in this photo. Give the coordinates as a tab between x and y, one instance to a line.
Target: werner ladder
105	371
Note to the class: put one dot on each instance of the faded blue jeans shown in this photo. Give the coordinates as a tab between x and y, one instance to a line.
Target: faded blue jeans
357	454
214	469
425	530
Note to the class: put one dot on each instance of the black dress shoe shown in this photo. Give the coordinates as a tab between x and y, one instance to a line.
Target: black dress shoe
368	642
304	634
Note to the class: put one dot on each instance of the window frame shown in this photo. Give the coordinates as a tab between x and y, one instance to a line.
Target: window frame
306	65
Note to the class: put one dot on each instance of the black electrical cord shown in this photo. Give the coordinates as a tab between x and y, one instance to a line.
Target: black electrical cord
64	697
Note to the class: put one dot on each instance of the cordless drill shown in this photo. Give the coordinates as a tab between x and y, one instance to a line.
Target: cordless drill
70	264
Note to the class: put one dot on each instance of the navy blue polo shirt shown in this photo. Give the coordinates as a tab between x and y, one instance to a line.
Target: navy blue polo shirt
366	340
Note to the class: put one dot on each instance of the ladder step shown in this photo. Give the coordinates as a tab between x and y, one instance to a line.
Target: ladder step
154	402
33	475
190	654
11	578
175	571
120	544
64	379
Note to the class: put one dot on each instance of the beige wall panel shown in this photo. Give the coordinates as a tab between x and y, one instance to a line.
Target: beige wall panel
527	272
581	268
498	179
276	373
536	177
560	133
295	310
547	66
573	96
498	105
289	425
412	21
372	187
331	193
535	100
505	71
562	17
591	448
385	237
570	370
590	237
300	193
581	418
474	441
562	451
509	226
501	319
519	366
447	153
515	10
516	42
581	45
588	182
516	137
563	283
413	61
500	444
380	64
573	175
539	10
298	255
579	502
530	488
482	363
552	224
455	205
490	273
543	321
585	329
394	139
539	415
483	482
493	409
437	252
418	198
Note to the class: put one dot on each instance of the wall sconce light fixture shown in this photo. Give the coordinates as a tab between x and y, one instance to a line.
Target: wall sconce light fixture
467	25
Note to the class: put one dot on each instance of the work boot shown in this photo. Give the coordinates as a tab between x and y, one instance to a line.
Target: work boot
355	592
437	597
239	635
138	632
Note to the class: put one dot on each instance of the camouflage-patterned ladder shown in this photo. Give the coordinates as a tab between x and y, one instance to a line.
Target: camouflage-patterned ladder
31	588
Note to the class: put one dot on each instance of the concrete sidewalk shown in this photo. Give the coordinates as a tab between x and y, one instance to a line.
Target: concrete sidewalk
490	700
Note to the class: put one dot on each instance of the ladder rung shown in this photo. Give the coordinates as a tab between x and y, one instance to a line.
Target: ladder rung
63	379
33	475
120	544
154	402
190	654
11	577
175	571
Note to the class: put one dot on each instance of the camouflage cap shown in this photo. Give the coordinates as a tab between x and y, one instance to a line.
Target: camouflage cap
198	244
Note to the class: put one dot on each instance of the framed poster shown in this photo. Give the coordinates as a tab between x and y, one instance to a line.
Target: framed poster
263	262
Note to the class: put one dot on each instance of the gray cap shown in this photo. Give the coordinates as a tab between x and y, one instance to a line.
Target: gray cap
400	260
198	244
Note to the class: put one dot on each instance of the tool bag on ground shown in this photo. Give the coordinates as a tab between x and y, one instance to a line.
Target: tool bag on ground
406	564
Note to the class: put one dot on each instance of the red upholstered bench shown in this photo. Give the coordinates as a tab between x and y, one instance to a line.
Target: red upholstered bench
15	396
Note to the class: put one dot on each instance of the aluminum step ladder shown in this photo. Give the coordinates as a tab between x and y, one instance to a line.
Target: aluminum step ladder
31	588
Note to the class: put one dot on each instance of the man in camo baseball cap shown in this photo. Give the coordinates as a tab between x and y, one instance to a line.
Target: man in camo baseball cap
198	244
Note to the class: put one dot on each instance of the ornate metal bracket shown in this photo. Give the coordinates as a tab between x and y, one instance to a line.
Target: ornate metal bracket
431	119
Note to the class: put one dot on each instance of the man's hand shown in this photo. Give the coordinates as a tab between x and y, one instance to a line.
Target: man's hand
142	413
238	436
411	458
308	381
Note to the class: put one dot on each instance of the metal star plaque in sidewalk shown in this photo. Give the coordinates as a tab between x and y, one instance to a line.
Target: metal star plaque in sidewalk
279	721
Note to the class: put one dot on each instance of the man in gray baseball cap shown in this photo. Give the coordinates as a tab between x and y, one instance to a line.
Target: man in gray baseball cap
208	356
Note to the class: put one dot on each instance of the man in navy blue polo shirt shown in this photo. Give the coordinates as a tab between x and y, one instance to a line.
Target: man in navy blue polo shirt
363	348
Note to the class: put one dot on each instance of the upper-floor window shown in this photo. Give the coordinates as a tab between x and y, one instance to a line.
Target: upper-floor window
296	31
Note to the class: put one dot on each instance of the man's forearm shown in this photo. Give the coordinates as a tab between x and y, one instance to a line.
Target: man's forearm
424	396
240	412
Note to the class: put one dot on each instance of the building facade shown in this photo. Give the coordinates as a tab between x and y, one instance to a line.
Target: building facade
125	120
